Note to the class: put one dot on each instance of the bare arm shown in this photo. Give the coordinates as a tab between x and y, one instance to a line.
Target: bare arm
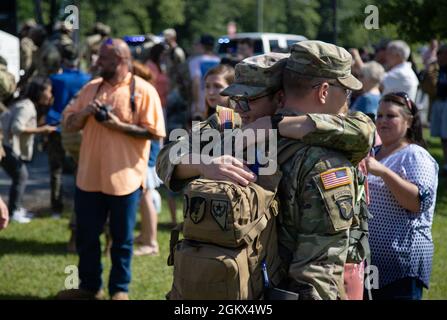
137	132
76	121
42	129
406	193
4	215
132	130
358	62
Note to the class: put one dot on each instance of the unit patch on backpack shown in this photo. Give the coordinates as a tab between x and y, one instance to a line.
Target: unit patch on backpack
198	206
219	211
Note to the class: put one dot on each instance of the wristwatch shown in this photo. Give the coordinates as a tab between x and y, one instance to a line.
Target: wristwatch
276	119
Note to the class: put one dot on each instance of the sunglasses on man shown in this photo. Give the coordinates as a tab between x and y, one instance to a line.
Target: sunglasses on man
347	92
243	102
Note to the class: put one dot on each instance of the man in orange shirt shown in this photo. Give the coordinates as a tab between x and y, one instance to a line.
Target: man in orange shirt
112	166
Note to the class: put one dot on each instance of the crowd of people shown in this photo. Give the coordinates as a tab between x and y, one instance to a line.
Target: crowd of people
112	115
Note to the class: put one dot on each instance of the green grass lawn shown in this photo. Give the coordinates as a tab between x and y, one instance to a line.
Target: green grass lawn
33	257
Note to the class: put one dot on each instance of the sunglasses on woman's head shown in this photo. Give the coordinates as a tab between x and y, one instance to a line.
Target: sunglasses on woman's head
402	95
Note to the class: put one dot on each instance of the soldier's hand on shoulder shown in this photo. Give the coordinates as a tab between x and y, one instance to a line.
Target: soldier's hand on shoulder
227	168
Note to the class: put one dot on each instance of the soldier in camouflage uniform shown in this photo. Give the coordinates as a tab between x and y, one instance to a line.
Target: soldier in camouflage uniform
93	42
318	191
259	79
27	46
46	59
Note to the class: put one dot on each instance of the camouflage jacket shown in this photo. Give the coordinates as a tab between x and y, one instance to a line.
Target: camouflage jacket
351	134
47	59
27	49
317	196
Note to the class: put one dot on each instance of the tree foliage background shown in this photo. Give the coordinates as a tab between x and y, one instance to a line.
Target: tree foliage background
412	20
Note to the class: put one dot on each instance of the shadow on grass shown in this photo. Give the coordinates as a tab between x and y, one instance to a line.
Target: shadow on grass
14	246
20	297
161	226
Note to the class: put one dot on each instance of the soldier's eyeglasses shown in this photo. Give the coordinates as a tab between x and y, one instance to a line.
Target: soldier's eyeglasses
347	92
243	102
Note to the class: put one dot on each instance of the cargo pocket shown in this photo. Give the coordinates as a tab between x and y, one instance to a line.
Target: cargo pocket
339	201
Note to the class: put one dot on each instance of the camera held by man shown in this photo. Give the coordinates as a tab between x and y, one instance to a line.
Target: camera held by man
102	114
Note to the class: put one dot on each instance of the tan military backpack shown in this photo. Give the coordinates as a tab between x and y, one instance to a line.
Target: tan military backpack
229	250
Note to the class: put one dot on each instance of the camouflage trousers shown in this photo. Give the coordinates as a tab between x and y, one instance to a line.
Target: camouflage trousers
56	156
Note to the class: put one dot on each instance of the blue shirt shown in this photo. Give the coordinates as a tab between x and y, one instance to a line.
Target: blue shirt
65	86
401	241
442	83
367	103
155	150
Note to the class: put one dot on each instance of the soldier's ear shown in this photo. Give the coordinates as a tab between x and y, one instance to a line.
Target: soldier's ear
322	93
280	98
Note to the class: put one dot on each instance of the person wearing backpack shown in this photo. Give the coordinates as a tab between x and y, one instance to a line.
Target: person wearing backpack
177	175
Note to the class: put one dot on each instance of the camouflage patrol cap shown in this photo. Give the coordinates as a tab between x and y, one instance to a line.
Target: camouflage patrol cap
101	28
258	75
323	60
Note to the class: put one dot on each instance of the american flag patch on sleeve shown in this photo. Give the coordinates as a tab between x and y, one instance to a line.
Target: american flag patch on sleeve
335	178
226	118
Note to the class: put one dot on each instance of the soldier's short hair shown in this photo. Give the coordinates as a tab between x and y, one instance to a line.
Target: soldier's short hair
299	85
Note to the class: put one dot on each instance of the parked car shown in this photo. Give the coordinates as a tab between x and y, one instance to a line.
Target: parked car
263	42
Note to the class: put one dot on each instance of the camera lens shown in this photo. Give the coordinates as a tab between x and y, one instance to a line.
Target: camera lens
102	114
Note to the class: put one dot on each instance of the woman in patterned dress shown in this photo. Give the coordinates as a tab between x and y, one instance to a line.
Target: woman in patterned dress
403	179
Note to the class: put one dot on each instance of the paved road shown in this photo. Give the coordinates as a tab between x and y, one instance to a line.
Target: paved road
37	194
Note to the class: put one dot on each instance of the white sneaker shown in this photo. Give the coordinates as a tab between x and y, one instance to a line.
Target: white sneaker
19	216
26	213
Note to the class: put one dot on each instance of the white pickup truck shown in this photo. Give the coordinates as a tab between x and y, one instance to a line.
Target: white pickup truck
263	42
